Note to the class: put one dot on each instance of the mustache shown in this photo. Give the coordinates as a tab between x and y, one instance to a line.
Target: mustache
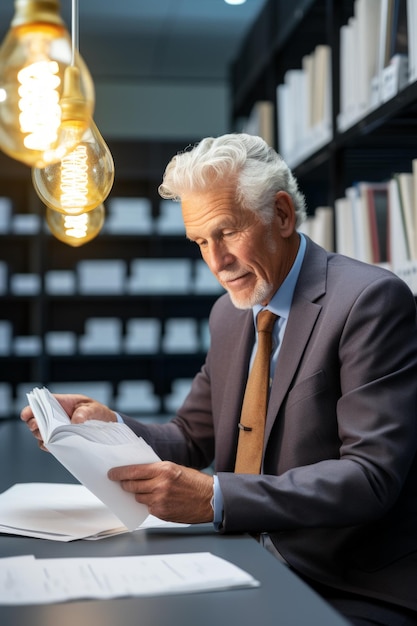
227	275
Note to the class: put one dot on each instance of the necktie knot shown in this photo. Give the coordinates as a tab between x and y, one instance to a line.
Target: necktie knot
265	321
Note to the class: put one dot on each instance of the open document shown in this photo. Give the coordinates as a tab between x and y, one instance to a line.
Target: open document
27	580
89	450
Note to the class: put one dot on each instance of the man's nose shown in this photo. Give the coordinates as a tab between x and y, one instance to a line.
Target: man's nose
219	257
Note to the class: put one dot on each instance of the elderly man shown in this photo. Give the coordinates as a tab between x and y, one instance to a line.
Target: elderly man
321	467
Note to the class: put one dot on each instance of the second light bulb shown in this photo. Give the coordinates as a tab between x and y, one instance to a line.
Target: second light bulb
82	180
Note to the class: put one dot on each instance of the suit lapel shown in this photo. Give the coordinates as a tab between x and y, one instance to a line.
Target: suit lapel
310	286
233	374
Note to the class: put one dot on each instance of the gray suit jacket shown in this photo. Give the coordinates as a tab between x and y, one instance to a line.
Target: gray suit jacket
338	493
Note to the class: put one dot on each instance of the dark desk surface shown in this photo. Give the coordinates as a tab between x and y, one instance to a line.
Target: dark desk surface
281	600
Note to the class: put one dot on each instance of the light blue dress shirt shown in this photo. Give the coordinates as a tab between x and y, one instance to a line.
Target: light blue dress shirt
280	304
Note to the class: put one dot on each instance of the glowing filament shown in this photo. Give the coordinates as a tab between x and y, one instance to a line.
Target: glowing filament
74	179
76	225
40	115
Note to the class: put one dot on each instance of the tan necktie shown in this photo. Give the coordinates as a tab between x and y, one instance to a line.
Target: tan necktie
255	401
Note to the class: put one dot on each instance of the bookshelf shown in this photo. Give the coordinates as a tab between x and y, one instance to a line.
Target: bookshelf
123	318
370	138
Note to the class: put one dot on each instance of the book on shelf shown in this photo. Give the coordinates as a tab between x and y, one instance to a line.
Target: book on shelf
345	237
292	114
89	450
412	39
367	13
400	253
320	227
261	121
376	209
320	93
361	226
363	222
405	185
285	132
386	32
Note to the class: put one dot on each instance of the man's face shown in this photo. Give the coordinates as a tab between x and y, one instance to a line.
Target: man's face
249	258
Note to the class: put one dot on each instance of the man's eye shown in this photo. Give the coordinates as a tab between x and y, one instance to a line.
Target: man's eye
229	233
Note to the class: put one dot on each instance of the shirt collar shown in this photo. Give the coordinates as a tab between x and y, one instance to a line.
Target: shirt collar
280	302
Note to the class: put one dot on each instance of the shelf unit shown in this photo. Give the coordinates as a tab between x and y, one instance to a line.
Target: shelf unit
139	170
381	143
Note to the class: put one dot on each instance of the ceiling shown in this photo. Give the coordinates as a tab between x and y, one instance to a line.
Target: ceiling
156	39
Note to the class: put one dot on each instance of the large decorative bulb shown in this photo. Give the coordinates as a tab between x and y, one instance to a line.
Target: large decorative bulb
76	230
40	116
35	127
81	180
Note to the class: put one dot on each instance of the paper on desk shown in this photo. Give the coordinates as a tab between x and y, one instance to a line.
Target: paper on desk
26	580
60	512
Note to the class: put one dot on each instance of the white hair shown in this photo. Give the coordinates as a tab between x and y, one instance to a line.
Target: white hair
259	171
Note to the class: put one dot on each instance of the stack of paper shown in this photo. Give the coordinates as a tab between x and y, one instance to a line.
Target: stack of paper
129	216
102	335
181	335
135	396
60	282
142	335
56	511
102	276
160	276
179	391
6	208
61	512
170	220
6	337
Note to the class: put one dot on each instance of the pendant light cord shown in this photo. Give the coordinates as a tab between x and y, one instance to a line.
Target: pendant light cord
74	29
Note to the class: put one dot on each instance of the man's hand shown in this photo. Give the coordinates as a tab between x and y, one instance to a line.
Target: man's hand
172	492
79	408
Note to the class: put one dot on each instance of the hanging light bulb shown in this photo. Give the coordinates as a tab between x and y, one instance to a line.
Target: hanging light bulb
76	230
81	180
37	50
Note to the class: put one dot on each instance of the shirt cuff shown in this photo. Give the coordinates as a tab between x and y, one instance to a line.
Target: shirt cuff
119	418
217	504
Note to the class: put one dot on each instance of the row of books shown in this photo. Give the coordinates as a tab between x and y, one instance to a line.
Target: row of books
304	107
116	277
375	222
124	216
105	335
377	56
133	397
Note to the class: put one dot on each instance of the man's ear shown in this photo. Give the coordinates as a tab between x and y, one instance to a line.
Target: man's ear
285	212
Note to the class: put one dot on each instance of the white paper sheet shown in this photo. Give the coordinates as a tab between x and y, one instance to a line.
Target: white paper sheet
61	512
89	450
26	580
89	462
